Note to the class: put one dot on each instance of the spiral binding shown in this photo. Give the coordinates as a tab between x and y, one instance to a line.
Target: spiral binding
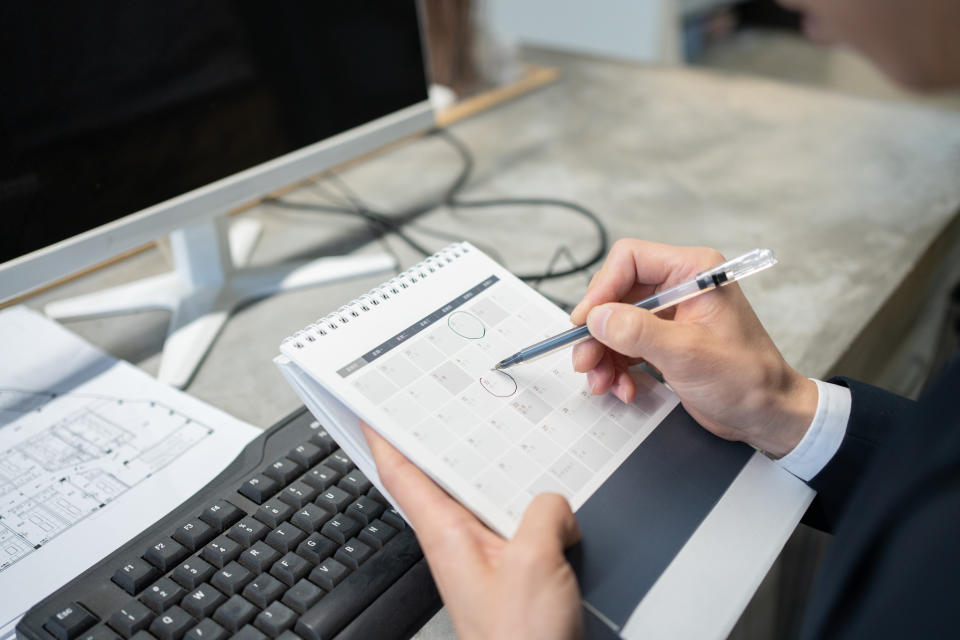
362	304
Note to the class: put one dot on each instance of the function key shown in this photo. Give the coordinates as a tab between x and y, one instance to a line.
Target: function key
259	488
134	576
192	573
355	483
338	461
306	455
323	440
321	477
131	618
165	554
283	470
162	595
194	534
70	622
221	515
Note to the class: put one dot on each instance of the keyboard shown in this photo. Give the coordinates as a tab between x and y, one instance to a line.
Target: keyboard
290	542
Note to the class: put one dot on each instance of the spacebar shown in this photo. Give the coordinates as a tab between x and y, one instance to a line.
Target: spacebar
335	610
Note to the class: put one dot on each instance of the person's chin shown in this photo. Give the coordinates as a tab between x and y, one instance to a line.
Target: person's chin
816	31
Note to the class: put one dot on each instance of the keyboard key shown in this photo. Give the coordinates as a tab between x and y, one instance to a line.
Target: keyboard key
302	596
339	462
202	601
231	579
321	477
290	568
310	517
234	613
275	619
316	547
99	632
192	573
134	576
336	609
165	554
355	483
221	551
273	512
221	515
329	574
207	630
285	537
70	622
263	590
283	471
172	625
299	494
379	497
259	488
364	509
306	455
340	528
249	633
393	518
288	635
248	531
259	557
334	499
142	635
353	553
162	595
377	533
323	440
194	534
131	618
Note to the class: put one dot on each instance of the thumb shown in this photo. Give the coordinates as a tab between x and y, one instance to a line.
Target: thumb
548	524
637	333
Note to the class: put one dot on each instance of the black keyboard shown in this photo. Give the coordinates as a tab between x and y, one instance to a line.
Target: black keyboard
290	541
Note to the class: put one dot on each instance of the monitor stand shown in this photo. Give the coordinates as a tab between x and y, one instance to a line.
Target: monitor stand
209	281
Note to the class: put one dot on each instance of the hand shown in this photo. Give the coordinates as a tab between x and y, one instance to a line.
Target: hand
493	588
712	349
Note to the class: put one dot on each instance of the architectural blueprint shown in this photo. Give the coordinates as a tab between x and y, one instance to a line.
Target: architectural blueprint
92	451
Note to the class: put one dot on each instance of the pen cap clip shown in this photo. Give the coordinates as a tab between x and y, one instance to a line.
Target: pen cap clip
741	266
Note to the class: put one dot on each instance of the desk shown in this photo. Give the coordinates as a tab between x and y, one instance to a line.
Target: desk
852	194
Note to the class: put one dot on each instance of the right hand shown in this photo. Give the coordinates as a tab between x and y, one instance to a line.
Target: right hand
712	349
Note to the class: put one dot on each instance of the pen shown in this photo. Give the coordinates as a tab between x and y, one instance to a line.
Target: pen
730	271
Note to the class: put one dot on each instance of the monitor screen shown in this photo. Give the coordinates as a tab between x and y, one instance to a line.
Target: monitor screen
109	108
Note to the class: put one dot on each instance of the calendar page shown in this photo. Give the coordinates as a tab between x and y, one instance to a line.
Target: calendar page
419	370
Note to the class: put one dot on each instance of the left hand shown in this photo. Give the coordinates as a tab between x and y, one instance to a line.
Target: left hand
493	588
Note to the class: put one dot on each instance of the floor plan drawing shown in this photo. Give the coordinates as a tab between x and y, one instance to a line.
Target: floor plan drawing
73	454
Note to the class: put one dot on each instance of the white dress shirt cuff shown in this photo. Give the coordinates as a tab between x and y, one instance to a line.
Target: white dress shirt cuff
825	434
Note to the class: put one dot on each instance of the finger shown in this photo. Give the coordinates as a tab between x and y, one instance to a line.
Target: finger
587	355
548	524
624	387
638	333
429	509
602	377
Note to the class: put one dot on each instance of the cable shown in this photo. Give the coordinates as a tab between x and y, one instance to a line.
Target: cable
381	223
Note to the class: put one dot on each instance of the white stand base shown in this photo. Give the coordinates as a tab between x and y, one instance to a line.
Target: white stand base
210	279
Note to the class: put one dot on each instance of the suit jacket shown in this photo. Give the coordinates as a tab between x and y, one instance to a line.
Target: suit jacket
891	496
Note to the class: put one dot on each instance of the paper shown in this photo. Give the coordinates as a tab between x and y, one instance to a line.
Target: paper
418	368
92	451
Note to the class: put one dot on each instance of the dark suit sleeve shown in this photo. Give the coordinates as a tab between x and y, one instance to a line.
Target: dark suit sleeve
874	415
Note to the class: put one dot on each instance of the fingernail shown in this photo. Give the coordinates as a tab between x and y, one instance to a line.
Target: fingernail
592	380
597	321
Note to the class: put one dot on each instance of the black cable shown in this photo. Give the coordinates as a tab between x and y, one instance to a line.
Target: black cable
382	223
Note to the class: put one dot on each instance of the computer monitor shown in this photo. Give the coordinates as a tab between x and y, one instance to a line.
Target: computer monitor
124	122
